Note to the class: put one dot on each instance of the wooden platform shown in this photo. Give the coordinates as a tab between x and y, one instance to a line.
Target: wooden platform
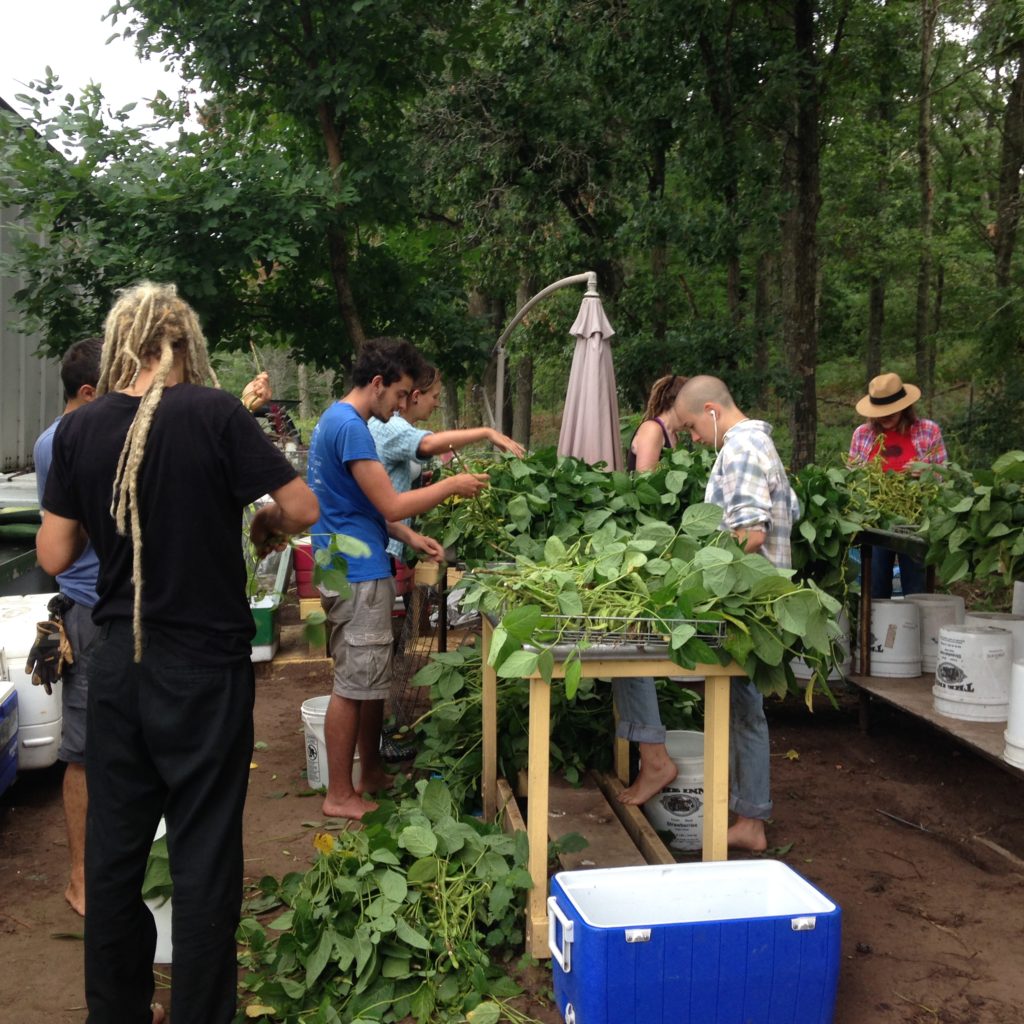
617	835
914	696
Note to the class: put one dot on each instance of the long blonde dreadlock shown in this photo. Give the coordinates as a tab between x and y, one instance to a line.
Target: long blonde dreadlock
148	323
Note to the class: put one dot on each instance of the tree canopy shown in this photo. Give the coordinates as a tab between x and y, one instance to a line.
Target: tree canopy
759	187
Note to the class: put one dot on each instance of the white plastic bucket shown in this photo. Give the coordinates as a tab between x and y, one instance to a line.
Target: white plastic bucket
161	911
895	639
679	807
937	610
314	711
1004	620
972	677
1014	734
801	670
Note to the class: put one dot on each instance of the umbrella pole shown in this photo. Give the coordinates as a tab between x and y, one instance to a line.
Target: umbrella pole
497	416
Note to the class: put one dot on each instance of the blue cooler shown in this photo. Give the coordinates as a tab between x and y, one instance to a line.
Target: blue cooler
720	942
8	734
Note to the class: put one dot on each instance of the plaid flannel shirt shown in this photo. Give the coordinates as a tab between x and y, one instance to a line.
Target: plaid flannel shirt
925	436
749	482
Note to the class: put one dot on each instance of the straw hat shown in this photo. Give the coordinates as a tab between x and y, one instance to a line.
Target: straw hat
887	394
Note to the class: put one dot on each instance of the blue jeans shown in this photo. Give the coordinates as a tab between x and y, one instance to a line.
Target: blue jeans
749	745
912	573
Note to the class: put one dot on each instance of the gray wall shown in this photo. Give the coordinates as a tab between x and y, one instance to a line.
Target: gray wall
30	390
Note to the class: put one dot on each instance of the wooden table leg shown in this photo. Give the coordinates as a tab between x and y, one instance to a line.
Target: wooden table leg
865	610
489	730
716	767
537	817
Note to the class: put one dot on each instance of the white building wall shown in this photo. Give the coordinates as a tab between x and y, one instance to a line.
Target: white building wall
31	395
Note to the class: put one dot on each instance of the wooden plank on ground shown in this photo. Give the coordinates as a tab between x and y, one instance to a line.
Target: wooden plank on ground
585	810
915	697
640	830
508	809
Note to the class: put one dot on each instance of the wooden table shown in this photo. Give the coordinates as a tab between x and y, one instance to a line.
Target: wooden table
716	762
914	696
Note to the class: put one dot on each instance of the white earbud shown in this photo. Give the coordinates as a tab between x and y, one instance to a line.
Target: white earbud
714	415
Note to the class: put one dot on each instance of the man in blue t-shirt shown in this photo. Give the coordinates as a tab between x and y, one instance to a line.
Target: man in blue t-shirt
357	499
79	373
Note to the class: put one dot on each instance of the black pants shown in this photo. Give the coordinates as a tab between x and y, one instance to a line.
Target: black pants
166	737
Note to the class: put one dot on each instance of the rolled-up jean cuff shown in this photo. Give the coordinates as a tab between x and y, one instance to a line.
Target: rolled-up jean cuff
636	732
745	810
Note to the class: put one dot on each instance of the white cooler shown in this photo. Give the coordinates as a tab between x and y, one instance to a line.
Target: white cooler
39	713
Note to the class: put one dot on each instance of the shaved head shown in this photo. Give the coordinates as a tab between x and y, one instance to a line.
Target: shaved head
699	390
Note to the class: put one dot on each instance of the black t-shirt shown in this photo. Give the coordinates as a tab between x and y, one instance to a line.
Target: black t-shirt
206	459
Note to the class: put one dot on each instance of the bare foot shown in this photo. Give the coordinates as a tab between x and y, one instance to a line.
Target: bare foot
75	895
747	834
374	782
353	807
654	776
159	1013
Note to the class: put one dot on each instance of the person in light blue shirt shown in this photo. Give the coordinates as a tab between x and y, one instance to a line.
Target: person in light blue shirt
79	373
403	447
357	499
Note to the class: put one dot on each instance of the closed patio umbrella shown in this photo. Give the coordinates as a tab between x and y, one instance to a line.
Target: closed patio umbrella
590	420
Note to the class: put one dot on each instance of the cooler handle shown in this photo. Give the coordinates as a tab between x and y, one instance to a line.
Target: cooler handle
563	956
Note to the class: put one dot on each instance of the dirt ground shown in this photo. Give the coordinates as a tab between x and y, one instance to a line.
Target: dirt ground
933	917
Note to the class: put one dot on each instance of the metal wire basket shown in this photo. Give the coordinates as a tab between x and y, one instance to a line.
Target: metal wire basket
620	632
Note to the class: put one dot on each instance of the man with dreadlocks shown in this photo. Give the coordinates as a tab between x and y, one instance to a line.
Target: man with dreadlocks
156	471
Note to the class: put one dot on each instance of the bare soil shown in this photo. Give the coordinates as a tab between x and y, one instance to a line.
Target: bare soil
932	915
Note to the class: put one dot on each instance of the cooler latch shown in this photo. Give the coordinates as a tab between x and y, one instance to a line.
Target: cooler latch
563	955
803	924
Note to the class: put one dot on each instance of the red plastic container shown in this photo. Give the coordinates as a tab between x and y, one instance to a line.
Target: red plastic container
304	565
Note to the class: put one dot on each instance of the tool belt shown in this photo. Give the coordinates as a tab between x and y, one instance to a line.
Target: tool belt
51	653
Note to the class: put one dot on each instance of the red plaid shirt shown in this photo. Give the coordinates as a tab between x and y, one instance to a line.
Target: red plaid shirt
924	435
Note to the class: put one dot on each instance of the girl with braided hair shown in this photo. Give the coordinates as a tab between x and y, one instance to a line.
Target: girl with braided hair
157	471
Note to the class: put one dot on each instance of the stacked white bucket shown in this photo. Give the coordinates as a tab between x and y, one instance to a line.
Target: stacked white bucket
679	807
895	639
1014	735
936	611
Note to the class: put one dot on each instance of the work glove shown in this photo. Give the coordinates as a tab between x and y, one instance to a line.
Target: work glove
49	655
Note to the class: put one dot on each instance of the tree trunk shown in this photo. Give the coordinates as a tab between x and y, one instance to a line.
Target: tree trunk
929	17
801	184
720	95
523	411
302	375
450	403
762	312
876	325
1011	159
659	248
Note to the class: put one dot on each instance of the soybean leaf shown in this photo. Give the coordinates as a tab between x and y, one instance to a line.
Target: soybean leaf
521	623
573	673
518	665
418	840
410	935
702	519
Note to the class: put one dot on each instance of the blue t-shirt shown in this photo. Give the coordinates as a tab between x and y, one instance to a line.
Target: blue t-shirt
397	443
339	439
78	582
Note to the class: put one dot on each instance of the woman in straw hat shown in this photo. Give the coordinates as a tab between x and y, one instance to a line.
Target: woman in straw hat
895	434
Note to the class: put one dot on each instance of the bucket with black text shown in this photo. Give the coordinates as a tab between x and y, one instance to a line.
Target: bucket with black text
937	610
1014	735
314	712
895	639
972	677
679	807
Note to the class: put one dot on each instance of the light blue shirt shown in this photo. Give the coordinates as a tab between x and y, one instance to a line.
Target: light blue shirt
397	443
78	582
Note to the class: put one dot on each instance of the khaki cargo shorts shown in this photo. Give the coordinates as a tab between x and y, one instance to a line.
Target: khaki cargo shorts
360	640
